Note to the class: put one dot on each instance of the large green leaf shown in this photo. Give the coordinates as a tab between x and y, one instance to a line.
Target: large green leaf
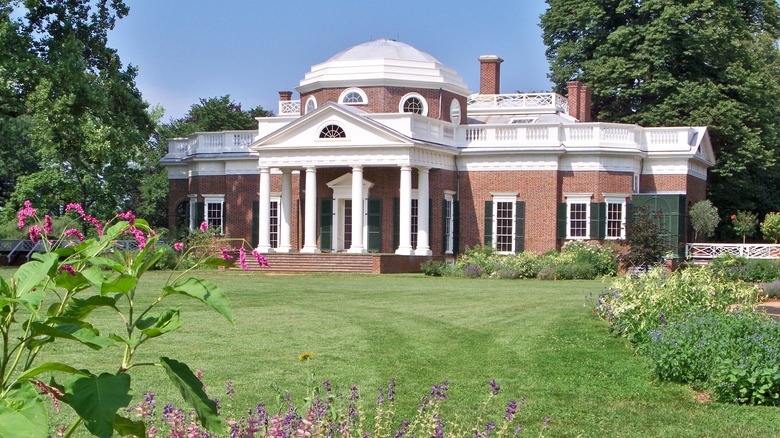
156	325
30	277
49	367
192	390
95	276
128	427
69	328
80	309
107	263
218	261
204	290
23	413
96	399
68	282
121	284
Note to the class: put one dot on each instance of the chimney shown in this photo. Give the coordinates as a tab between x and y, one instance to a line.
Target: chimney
285	96
490	74
579	100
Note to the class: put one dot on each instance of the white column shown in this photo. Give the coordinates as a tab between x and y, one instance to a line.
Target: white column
357	210
285	213
264	212
423	215
194	212
310	207
405	213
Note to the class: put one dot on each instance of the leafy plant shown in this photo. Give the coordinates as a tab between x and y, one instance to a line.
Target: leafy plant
704	218
744	224
770	228
735	268
50	299
647	240
433	268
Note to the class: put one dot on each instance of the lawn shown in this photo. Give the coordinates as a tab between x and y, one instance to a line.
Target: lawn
535	338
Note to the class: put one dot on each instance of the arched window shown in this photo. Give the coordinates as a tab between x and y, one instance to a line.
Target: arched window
311	105
353	96
455	112
414	103
332	131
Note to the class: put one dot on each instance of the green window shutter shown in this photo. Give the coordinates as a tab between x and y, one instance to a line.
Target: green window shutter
488	240
519	226
224	218
443	226
598	220
255	223
374	222
326	224
455	226
629	217
200	213
562	222
396	223
430	222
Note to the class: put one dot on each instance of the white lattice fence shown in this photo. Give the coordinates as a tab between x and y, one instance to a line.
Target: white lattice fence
708	251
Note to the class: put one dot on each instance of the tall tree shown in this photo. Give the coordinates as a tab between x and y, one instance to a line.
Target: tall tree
689	62
87	120
216	114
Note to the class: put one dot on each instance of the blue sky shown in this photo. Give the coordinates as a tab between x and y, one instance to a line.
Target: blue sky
188	49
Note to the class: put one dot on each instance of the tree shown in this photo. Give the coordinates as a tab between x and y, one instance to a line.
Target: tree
770	228
704	218
216	114
647	241
669	63
744	223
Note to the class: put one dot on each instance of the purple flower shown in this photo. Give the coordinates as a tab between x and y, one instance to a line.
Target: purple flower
546	424
326	384
47	225
35	233
230	392
663	318
494	388
511	410
400	432
391	390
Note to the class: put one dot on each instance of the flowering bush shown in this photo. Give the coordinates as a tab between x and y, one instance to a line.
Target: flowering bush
634	305
737	355
331	413
50	299
733	268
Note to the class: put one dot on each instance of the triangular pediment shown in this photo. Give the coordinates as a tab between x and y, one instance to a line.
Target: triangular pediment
306	132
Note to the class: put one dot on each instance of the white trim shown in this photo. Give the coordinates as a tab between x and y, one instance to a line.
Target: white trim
408	96
360	92
615	199
215	199
578	198
327	123
449	198
511	198
455	109
310	99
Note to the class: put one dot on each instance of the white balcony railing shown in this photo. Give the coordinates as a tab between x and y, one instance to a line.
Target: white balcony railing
708	251
519	101
289	107
210	142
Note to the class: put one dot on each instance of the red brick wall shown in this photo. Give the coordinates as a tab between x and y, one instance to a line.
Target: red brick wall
178	189
597	183
662	183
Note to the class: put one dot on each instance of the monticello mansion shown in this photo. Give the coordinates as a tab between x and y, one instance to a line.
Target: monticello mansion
388	151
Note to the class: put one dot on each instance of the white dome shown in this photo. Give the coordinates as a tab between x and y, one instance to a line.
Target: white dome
383	63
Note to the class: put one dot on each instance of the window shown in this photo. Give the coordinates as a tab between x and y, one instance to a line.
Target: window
415	221
413	103
353	96
455	112
311	105
274	223
214	206
578	216
449	223
505	230
332	131
522	120
616	217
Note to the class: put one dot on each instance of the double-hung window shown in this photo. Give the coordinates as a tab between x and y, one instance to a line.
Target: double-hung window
578	216
615	217
504	215
449	223
214	209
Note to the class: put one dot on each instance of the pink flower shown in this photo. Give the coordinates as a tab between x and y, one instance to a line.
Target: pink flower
178	246
47	225
95	222
35	233
75	206
260	259
242	259
139	237
24	213
128	216
69	269
74	232
733	216
225	254
204	227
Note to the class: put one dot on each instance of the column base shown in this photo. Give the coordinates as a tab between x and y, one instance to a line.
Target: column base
356	250
423	252
404	251
264	249
310	250
283	249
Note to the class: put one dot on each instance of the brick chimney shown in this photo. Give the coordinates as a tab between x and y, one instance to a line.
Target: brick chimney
579	101
285	96
490	74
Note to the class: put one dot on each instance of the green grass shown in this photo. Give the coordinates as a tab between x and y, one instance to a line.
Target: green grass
535	338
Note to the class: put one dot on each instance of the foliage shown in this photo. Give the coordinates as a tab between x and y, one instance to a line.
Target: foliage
635	305
704	218
433	268
771	289
770	227
328	412
668	63
744	224
50	300
737	355
483	256
734	268
646	239
215	114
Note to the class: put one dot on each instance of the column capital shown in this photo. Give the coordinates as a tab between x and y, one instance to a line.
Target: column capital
264	169
406	167
423	169
356	166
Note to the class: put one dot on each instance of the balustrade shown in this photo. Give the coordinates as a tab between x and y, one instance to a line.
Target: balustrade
709	251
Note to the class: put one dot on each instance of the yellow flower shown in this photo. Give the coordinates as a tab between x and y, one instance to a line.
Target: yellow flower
305	356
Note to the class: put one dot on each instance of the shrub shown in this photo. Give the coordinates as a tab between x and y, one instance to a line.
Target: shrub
603	261
770	228
647	240
772	289
704	218
524	264
433	268
737	355
481	255
168	257
744	224
634	305
473	271
735	268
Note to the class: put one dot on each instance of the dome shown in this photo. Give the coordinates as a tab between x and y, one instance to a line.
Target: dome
383	62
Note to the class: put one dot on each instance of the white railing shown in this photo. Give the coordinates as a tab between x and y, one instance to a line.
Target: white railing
708	251
518	101
288	107
210	142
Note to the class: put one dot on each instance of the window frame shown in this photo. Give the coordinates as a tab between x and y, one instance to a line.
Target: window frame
578	199
208	201
321	135
310	102
620	200
455	112
449	223
418	96
358	91
504	198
